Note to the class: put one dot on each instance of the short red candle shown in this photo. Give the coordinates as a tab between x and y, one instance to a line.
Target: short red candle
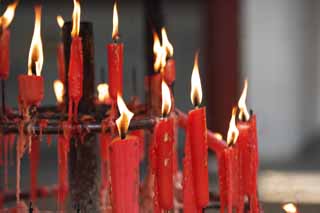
115	65
75	74
164	136
60	62
4	54
124	157
31	89
199	152
249	160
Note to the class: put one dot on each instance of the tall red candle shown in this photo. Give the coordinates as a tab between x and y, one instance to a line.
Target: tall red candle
115	59
6	19
124	159
198	140
75	74
249	154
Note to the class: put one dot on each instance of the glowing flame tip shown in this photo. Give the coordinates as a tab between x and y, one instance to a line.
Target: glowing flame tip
233	131
166	99
243	114
103	92
76	18
166	43
58	90
290	208
60	21
115	23
8	15
196	88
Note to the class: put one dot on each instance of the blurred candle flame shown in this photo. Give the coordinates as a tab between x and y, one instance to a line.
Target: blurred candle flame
157	51
8	15
35	60
165	42
76	18
218	135
243	114
58	90
196	89
60	21
123	121
233	131
290	208
115	23
103	92
166	99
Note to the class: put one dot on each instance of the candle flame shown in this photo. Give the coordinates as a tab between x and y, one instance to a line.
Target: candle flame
115	22
243	114
196	89
165	42
233	131
58	90
290	208
8	15
76	18
159	53
218	136
125	116
166	99
35	60
60	21
103	92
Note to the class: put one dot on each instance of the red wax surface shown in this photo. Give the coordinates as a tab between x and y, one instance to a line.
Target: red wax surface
189	199
34	165
154	89
170	71
115	66
124	159
75	74
249	160
4	54
31	89
60	62
140	135
199	151
164	136
63	150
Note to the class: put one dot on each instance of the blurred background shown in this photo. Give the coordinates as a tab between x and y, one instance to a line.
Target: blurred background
274	44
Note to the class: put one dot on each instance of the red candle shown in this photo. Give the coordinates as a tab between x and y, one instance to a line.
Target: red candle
164	137
198	140
124	157
34	165
76	64
6	19
63	150
249	155
115	59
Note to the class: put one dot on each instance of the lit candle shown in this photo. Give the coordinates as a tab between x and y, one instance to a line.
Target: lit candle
5	21
249	154
198	139
115	58
31	86
164	140
60	54
76	64
124	157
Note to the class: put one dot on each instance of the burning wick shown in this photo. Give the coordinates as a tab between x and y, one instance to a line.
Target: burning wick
125	117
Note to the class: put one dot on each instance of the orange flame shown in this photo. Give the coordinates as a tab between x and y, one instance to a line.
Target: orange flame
233	131
165	42
8	15
166	99
125	117
58	90
76	18
243	114
158	51
115	23
290	208
196	89
103	92
60	21
35	60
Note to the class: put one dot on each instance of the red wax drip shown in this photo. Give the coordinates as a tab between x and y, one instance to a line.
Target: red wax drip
60	62
4	54
115	66
75	76
63	149
31	90
124	157
164	168
199	151
34	165
249	161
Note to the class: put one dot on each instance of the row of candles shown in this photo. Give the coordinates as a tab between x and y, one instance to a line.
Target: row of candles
237	158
